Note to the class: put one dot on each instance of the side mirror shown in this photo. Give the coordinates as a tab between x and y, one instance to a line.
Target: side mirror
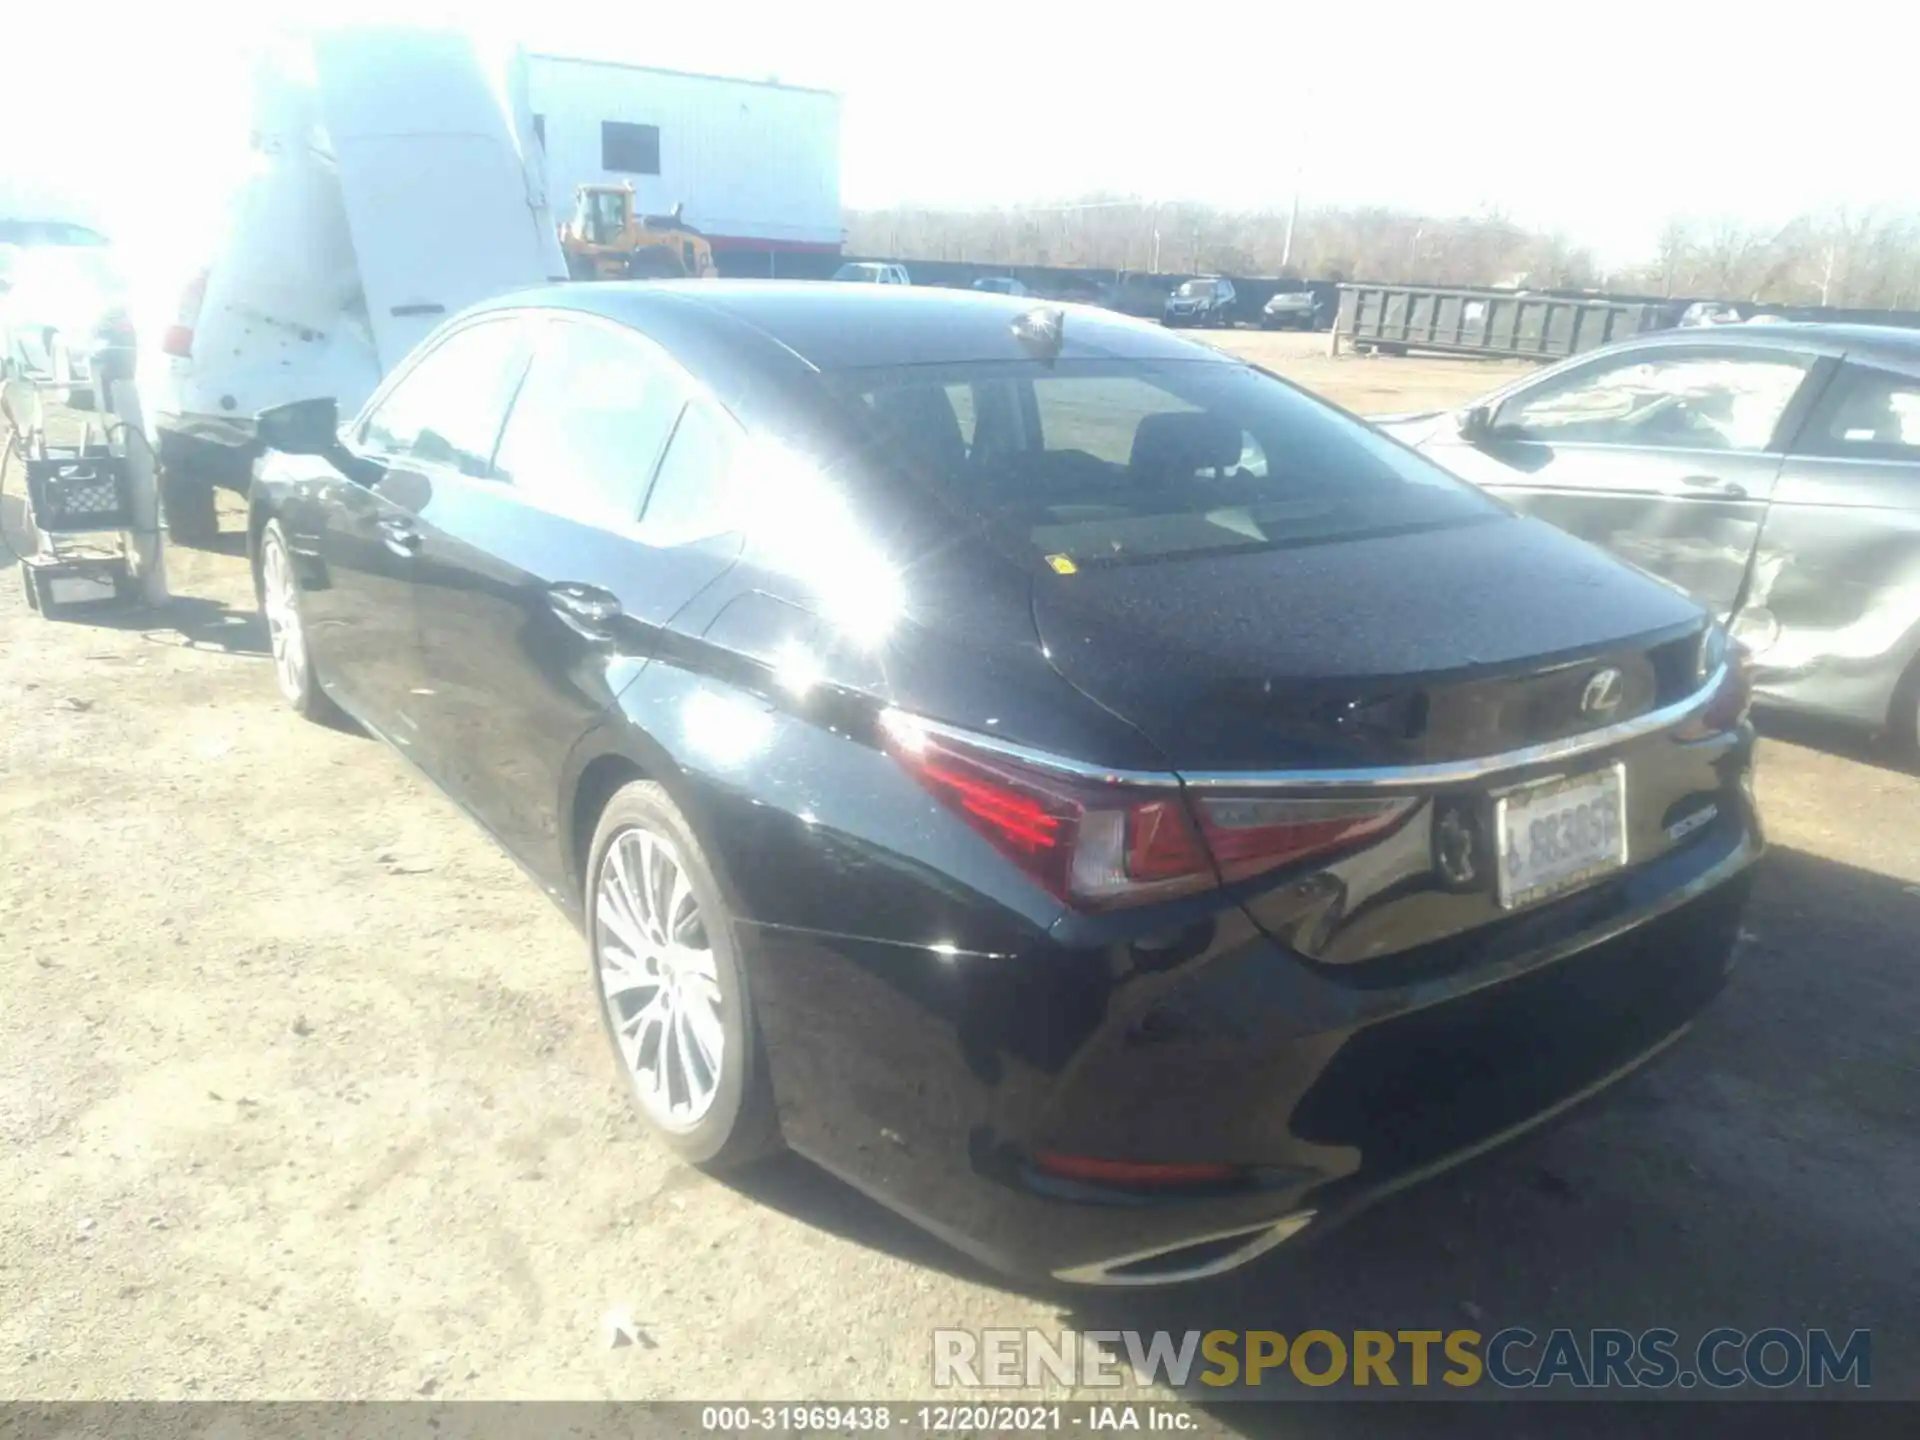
303	427
1475	424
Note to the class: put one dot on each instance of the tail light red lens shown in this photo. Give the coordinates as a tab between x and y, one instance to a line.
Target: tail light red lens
177	339
1731	700
1100	844
1254	833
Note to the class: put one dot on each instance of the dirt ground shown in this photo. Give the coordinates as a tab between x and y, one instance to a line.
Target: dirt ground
302	1094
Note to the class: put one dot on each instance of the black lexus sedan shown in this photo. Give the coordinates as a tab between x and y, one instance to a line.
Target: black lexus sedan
1112	806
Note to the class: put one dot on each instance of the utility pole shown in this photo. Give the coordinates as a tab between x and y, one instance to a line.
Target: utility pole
1293	218
147	556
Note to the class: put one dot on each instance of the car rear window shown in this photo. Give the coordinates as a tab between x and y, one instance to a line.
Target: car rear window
1110	462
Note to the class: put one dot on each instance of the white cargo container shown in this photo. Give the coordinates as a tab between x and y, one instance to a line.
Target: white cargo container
755	163
393	181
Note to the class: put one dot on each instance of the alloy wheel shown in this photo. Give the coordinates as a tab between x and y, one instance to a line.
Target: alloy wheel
281	600
658	977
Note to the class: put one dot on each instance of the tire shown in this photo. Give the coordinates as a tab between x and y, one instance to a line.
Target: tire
187	508
702	990
28	588
1903	716
280	607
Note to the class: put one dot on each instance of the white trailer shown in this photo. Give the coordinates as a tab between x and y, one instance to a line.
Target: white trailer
756	164
396	180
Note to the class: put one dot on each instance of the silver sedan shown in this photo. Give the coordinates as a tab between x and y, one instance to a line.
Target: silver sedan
1772	472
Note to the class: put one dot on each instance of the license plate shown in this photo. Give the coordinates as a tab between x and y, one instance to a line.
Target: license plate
1560	834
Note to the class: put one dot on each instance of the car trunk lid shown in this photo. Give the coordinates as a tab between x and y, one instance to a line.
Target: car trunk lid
1453	643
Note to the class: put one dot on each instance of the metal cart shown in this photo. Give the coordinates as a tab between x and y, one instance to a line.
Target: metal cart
92	523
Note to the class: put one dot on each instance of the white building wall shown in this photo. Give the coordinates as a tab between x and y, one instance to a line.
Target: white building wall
749	160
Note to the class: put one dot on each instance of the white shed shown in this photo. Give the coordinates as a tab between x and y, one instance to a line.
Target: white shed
756	163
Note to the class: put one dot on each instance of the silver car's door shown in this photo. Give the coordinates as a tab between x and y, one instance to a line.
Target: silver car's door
1667	456
1833	612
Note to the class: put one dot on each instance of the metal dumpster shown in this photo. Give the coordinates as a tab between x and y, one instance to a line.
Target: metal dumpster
1396	318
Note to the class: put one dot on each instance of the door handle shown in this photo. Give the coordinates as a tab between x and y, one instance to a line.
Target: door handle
1714	483
586	608
400	536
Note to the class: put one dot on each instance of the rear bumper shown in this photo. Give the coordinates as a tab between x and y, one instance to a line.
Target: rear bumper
930	1081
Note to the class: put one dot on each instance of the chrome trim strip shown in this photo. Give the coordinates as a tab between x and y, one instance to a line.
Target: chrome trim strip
1260	1239
903	726
1455	772
1376	777
930	947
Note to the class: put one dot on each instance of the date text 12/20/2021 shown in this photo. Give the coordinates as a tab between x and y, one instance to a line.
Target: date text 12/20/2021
946	1419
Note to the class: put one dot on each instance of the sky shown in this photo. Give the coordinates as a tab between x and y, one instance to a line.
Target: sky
1598	120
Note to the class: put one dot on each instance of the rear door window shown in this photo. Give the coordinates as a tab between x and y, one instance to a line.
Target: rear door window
696	493
1866	414
446	409
590	422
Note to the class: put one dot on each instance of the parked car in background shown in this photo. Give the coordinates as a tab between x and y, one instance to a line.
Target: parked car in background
1710	312
1771	471
63	299
1101	293
1001	285
1206	300
1290	310
869	272
1107	803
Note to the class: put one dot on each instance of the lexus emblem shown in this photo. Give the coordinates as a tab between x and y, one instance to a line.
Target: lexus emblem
1603	693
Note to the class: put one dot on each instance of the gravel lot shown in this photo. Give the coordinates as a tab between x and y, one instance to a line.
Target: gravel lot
302	1094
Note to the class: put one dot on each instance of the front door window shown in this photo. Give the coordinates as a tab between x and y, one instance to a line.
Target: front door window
1697	401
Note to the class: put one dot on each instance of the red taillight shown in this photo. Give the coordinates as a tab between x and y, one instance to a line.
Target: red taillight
1734	698
1099	844
1030	818
1130	1172
177	339
1249	834
1020	820
1727	707
1161	843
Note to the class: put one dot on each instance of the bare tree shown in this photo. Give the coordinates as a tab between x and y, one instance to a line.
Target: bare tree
1868	259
